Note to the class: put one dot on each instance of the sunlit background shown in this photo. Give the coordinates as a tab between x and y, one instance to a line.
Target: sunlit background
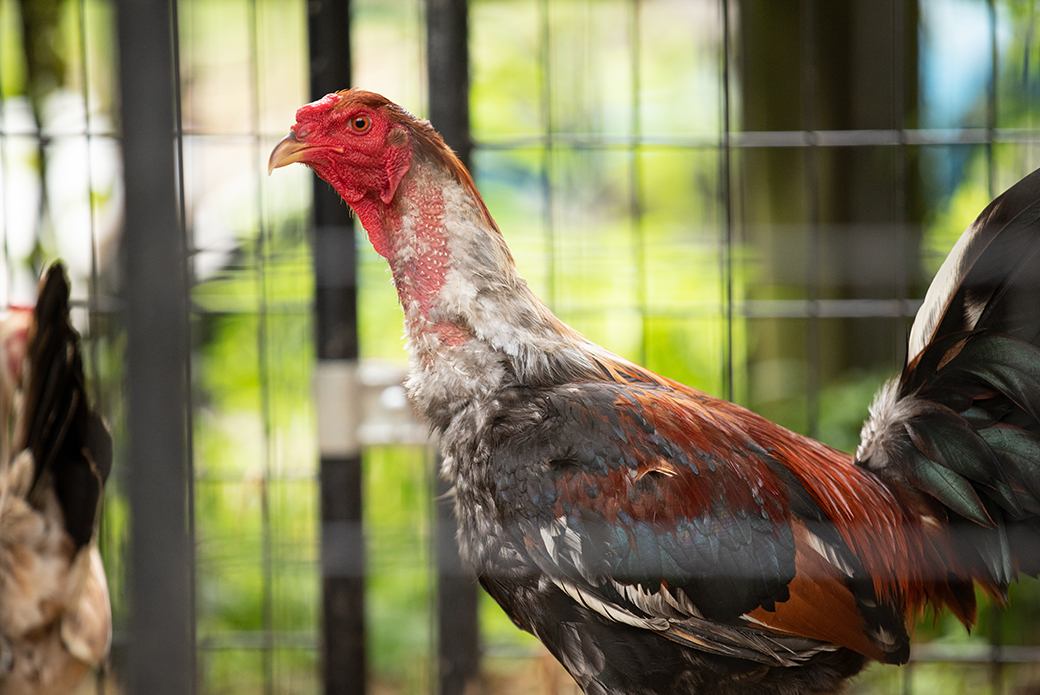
721	195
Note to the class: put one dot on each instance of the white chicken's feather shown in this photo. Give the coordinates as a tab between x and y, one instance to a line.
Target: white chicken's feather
55	619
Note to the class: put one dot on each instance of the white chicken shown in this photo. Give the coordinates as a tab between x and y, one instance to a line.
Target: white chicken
55	453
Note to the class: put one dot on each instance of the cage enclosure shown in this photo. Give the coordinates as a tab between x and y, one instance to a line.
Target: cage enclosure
746	196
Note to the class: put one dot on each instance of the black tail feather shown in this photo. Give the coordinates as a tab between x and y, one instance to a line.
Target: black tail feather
992	277
71	446
962	423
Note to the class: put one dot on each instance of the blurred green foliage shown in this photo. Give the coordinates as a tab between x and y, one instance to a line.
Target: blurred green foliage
625	242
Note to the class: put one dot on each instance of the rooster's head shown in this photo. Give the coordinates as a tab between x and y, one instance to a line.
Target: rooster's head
358	141
364	145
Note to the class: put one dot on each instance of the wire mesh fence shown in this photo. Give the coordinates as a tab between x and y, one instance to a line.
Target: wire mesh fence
745	196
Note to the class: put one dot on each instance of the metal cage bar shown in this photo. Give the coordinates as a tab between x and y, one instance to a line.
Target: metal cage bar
458	646
155	264
335	265
161	648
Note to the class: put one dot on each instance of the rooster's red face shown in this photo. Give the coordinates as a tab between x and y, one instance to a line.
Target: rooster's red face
354	140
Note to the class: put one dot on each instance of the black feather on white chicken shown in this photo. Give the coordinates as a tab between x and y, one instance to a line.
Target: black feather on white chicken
55	454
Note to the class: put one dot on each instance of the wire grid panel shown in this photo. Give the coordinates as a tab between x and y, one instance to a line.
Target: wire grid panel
241	77
61	196
625	183
614	147
744	202
255	504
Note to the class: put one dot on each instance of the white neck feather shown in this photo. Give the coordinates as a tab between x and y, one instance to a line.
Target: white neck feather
471	321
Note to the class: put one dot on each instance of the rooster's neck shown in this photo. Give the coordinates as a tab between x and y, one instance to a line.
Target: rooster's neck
422	259
471	322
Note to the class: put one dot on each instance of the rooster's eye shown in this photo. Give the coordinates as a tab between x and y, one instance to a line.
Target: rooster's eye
360	123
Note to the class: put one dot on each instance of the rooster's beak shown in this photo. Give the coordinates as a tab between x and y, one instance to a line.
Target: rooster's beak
289	150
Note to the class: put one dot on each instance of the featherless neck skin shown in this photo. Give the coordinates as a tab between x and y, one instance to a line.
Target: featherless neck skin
471	322
421	260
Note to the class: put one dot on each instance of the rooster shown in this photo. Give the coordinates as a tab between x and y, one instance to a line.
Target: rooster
55	620
657	539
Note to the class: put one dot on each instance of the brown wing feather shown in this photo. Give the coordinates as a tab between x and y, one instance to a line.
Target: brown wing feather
821	605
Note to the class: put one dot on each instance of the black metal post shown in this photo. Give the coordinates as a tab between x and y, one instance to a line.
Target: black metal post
458	638
447	62
161	649
336	393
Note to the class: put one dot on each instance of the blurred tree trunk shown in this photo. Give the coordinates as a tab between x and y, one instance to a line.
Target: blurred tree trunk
826	222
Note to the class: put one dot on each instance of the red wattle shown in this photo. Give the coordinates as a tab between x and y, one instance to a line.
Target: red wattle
374	222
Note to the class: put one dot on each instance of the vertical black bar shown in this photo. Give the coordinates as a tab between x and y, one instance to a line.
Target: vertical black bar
447	61
458	635
189	281
155	295
343	561
458	639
